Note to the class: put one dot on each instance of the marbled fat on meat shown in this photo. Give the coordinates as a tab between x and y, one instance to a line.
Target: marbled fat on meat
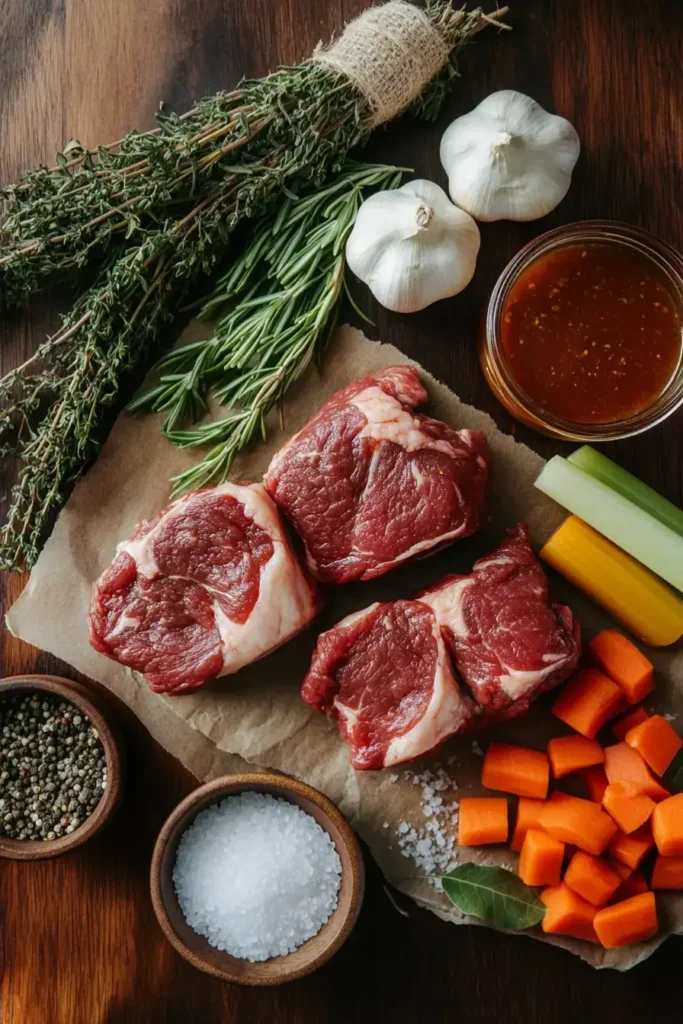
367	483
385	674
508	641
401	677
208	586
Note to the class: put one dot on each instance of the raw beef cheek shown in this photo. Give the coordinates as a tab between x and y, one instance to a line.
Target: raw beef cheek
367	484
206	587
384	673
175	642
508	642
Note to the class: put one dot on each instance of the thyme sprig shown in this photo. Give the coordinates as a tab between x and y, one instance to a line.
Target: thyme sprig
153	213
281	299
237	148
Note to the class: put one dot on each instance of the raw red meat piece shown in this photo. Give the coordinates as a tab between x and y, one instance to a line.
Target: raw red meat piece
208	586
508	642
386	672
367	483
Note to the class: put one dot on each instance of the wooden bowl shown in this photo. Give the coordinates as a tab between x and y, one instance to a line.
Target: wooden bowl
313	953
84	700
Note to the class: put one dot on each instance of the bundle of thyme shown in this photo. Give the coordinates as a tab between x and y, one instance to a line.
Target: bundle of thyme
236	149
155	212
281	297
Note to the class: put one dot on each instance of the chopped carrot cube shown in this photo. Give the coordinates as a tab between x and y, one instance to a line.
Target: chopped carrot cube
527	817
667	826
568	913
541	860
624	663
626	722
595	781
514	769
656	741
632	849
632	920
628	807
482	820
578	822
623	870
594	879
588	701
667	873
631	886
570	753
624	764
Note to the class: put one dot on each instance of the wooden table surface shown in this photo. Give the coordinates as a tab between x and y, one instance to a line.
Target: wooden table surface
78	940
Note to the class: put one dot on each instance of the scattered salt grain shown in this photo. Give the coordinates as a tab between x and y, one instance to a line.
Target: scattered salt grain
476	749
256	876
431	845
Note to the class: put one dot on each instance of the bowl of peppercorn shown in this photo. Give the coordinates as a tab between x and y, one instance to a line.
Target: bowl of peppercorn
60	767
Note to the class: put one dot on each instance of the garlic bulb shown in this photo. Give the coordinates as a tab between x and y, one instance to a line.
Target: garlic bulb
411	246
508	158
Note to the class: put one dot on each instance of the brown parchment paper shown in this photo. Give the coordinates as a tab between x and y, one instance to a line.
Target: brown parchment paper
257	717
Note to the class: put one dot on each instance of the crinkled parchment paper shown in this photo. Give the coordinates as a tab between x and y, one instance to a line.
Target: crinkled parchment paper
257	716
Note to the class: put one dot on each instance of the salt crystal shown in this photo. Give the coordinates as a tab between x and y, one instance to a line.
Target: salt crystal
256	876
431	845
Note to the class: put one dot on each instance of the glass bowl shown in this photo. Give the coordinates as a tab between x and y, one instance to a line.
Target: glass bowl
666	262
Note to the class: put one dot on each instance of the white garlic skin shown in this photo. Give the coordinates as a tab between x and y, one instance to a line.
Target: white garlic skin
412	247
509	159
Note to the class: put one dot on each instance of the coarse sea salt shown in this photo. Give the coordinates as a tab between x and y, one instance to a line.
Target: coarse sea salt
256	875
431	844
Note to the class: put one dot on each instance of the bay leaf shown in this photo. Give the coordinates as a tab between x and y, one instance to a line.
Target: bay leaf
493	894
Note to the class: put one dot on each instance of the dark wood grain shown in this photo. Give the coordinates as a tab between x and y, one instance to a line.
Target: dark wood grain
78	940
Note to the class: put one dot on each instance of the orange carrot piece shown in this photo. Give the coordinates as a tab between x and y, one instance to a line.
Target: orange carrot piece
632	920
624	764
667	873
527	817
588	701
631	886
579	822
624	663
595	781
482	820
568	913
667	826
514	769
623	870
656	741
627	806
541	860
570	753
594	879
626	722
632	849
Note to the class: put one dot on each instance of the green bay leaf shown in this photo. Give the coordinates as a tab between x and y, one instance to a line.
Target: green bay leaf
493	894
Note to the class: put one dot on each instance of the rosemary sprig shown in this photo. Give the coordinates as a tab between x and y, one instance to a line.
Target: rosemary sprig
287	281
155	212
238	148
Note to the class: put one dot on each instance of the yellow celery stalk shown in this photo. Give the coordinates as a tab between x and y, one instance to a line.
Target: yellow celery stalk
637	598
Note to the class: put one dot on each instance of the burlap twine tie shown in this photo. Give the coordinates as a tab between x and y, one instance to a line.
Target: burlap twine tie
389	53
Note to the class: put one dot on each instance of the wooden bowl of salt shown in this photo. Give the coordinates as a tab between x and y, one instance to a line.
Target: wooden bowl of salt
196	947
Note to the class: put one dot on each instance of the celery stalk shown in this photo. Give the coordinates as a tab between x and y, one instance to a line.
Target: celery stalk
629	486
614	516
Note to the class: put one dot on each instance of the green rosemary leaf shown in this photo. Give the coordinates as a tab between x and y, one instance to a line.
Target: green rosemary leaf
152	214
